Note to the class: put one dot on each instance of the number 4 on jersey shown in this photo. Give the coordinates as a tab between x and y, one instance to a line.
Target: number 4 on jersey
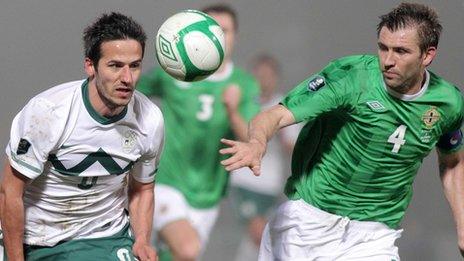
397	138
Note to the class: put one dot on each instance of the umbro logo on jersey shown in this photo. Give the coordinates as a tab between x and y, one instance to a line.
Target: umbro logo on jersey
376	106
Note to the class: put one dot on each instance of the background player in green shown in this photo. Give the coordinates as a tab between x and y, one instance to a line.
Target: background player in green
254	198
198	114
371	121
82	158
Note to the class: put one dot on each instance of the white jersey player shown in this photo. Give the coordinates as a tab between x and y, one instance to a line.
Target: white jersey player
78	161
82	158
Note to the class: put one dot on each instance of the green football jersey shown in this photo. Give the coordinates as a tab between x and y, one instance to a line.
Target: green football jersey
363	143
195	121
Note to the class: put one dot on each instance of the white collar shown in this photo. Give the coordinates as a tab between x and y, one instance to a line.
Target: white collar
409	97
219	76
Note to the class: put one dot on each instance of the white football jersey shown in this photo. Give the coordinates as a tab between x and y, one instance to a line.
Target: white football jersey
79	162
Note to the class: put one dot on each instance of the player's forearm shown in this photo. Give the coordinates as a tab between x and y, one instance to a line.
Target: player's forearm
453	184
13	226
141	204
267	123
12	211
238	125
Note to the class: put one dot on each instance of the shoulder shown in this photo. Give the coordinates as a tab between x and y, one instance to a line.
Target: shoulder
351	70
60	94
149	121
54	100
146	109
438	82
353	63
450	94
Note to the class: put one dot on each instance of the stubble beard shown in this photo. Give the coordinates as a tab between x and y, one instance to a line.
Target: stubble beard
112	105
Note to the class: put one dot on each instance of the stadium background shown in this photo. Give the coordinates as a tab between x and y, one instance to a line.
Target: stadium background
40	46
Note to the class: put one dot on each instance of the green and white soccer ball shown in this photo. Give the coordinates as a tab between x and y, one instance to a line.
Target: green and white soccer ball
190	45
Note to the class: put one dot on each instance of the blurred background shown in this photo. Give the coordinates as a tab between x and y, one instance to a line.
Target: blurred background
40	46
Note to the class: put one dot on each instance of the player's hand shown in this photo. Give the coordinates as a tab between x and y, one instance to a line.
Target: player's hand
244	154
144	252
231	97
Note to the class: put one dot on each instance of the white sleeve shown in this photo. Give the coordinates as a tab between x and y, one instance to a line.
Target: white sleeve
35	131
145	168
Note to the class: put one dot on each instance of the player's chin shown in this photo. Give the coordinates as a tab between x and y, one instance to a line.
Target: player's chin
121	102
123	97
392	83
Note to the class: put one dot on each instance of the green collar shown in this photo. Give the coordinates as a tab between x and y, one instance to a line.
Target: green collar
93	113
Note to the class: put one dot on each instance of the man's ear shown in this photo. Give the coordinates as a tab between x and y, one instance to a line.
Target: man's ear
89	67
429	55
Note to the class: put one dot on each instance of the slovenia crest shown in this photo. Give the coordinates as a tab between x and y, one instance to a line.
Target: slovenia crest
128	140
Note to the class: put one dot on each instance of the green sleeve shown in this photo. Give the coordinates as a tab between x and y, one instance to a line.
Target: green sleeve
452	140
150	83
249	104
329	90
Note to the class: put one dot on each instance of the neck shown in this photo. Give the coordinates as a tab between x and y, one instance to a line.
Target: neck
411	86
100	104
416	86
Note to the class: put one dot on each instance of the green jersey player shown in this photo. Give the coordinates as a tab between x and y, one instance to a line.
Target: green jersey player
191	180
83	152
371	121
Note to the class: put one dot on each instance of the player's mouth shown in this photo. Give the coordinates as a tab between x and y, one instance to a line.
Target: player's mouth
124	92
390	74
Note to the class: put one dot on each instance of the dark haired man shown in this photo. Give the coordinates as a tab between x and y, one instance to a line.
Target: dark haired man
371	121
82	151
191	181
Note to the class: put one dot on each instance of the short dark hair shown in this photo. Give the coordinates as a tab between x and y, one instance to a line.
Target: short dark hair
110	27
424	18
222	8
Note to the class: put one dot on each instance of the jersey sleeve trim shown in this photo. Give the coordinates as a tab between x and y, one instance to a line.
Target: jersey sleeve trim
149	179
24	168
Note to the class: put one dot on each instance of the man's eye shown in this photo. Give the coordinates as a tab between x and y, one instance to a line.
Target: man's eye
114	65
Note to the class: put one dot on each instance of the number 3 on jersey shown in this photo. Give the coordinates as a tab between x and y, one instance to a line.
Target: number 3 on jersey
397	138
206	109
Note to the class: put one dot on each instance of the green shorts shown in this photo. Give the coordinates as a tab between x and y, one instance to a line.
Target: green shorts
248	204
117	247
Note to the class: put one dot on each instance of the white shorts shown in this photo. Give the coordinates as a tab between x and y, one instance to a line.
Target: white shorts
299	231
171	205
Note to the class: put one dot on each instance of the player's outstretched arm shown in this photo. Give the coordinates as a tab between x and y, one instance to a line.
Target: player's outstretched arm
12	211
261	129
141	202
452	176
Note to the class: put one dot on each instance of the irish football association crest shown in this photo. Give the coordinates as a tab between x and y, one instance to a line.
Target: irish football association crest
430	117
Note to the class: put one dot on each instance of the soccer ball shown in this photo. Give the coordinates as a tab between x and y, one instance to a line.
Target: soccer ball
190	45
